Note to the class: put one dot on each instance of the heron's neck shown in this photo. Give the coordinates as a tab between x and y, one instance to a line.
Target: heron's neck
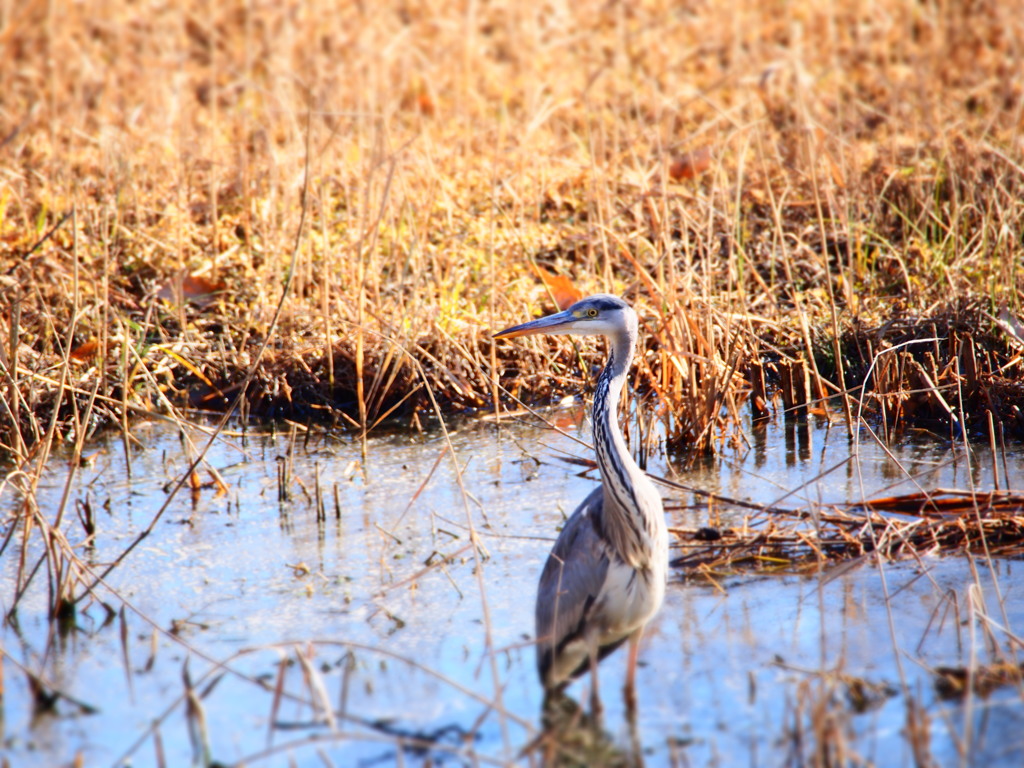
627	492
606	410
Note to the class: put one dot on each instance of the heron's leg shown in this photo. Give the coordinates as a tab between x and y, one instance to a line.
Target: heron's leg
634	738
636	748
629	691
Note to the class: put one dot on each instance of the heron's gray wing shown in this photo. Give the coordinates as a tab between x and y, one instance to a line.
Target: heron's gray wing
570	583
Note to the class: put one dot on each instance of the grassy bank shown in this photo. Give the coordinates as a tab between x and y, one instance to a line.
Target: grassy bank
327	210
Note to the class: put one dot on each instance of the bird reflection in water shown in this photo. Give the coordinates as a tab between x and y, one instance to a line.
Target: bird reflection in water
574	738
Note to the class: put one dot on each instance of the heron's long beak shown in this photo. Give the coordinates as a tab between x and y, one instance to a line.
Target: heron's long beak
548	324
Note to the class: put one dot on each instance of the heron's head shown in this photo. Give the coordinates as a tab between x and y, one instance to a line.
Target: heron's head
598	315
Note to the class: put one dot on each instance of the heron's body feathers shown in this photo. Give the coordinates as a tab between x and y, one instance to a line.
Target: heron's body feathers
608	602
605	576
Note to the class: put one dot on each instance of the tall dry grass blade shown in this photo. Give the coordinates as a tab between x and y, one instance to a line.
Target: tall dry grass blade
195	718
12	402
126	658
275	702
480	556
316	687
158	749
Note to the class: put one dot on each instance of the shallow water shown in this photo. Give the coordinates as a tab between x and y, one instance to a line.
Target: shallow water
751	670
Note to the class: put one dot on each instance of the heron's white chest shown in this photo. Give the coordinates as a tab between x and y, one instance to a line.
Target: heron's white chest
631	595
629	599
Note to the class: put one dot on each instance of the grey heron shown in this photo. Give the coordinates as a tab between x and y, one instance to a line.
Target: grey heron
606	574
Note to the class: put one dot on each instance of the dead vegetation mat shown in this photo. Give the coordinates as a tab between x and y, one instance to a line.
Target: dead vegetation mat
831	539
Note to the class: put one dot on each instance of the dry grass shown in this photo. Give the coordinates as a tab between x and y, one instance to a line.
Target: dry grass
766	186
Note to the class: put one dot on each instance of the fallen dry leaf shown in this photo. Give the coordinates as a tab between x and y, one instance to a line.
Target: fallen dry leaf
562	290
689	164
85	352
199	290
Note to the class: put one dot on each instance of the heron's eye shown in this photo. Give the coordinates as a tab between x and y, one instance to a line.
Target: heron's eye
591	312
